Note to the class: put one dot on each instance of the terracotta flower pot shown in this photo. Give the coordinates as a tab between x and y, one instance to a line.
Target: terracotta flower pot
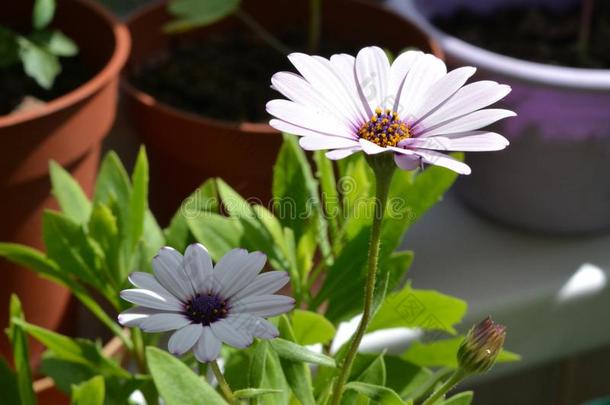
553	177
185	148
68	129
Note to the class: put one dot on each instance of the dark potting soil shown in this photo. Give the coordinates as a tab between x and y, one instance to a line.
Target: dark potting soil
536	33
227	77
15	85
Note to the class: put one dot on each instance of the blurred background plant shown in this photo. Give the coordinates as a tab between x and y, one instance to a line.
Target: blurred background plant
38	51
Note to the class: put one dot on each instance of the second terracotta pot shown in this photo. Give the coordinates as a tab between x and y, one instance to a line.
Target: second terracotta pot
185	149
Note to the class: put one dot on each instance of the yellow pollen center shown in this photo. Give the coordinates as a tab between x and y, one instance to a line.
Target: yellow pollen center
384	128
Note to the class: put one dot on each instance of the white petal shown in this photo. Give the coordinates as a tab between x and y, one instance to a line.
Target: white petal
371	148
231	332
305	117
338	154
440	159
407	162
134	316
169	271
163	322
244	275
344	66
147	281
198	266
255	325
468	122
325	142
208	346
444	88
398	72
236	269
266	283
475	141
183	339
372	73
151	299
263	305
319	72
289	128
297	89
469	98
426	71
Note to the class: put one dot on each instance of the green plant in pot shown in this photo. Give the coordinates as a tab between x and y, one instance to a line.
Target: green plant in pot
333	242
554	54
38	52
204	81
67	123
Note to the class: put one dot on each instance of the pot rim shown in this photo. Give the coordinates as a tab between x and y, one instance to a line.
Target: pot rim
108	72
263	128
523	70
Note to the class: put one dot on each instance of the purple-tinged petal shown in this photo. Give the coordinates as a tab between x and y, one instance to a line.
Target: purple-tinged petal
372	74
184	339
208	346
163	322
326	142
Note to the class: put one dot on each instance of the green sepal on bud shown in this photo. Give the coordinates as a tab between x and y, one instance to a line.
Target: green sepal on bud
481	346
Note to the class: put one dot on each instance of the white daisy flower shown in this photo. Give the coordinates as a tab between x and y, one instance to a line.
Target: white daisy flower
412	108
206	304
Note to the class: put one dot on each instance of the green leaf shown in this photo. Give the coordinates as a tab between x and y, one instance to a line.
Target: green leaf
370	369
21	354
71	197
202	201
328	187
443	353
79	351
311	328
68	245
113	183
217	233
44	10
295	191
38	63
377	393
196	13
425	309
8	384
255	392
91	392
463	398
297	372
32	259
60	45
404	376
257	364
138	202
9	48
177	384
103	228
292	351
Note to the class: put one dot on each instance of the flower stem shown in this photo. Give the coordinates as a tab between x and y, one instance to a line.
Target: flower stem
383	167
455	378
265	35
138	350
222	383
315	24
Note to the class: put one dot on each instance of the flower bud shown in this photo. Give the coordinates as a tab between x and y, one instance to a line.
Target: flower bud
480	348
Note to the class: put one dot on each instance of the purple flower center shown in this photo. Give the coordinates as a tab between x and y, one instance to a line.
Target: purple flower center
206	308
384	128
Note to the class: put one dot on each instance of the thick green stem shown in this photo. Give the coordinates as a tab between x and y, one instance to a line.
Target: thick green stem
265	35
315	24
222	383
455	378
383	167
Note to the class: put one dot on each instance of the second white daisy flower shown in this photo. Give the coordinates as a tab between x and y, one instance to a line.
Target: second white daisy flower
206	304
